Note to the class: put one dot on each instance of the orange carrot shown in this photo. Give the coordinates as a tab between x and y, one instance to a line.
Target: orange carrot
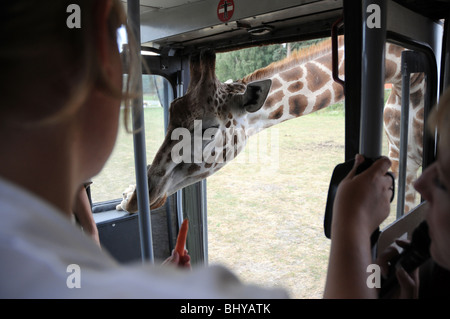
181	240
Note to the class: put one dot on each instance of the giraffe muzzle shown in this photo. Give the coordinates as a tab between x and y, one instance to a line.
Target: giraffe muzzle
159	202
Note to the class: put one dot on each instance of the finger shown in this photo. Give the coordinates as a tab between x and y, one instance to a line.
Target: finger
175	257
380	167
379	175
185	262
391	175
359	159
172	259
403	243
185	259
385	257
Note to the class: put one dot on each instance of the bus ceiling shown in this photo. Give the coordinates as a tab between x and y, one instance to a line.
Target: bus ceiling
189	25
226	24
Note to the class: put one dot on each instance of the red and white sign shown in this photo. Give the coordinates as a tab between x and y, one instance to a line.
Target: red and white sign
225	10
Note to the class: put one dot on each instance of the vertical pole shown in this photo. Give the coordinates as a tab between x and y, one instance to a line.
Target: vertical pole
204	210
165	104
180	92
414	62
372	80
404	125
352	38
140	158
192	198
445	60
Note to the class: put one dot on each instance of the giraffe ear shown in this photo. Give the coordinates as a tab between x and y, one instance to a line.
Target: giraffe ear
255	95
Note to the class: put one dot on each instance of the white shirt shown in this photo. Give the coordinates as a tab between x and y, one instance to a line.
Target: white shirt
43	255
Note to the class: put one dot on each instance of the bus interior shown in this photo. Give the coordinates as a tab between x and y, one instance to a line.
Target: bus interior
170	32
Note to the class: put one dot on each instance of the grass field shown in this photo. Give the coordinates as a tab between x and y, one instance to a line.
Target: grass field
119	171
265	209
265	219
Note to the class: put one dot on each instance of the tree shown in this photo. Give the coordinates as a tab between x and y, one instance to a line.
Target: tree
235	65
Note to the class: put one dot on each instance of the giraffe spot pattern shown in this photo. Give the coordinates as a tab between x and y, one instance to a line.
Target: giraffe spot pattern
295	87
322	100
297	104
273	99
292	74
391	120
275	115
193	168
418	134
416	98
390	68
316	77
338	91
276	84
395	50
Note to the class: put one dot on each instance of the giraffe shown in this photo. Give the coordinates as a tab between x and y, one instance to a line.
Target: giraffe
296	86
209	108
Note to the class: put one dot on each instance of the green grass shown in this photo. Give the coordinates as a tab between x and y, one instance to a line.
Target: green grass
273	211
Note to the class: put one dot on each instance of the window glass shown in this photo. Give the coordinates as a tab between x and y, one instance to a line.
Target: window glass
119	171
266	207
413	123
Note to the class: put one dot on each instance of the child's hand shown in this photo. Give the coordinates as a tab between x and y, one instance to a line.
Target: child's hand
408	283
179	261
363	201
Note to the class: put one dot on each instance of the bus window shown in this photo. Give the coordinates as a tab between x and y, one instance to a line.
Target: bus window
265	208
408	83
119	171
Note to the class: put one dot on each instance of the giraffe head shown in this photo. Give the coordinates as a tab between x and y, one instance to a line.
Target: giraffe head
207	128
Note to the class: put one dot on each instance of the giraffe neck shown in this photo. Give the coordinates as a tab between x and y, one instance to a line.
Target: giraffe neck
301	84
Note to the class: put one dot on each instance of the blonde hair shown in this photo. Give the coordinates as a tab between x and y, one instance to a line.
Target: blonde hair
48	69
